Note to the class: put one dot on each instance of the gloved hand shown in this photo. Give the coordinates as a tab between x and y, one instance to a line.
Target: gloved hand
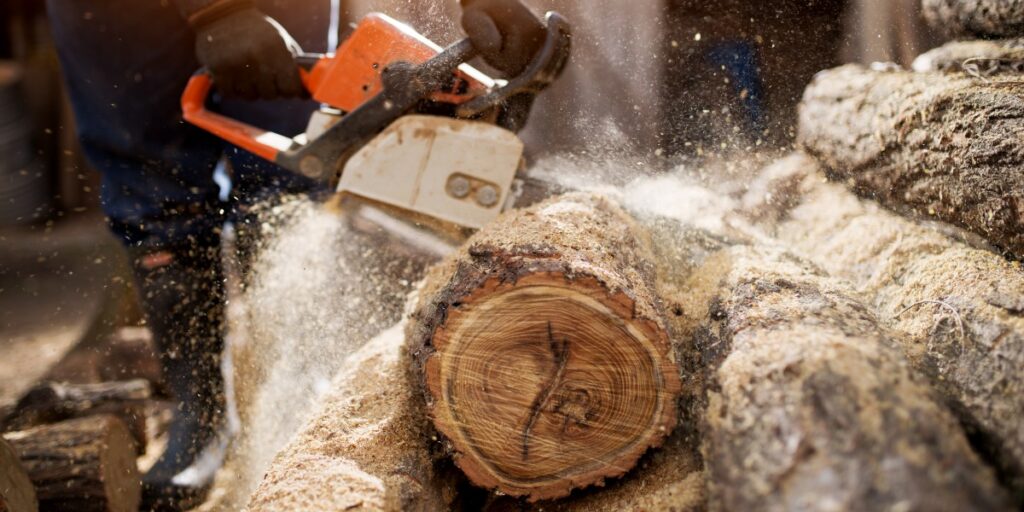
505	32
249	54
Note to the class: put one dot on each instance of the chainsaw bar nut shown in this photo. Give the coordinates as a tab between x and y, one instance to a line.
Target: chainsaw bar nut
487	196
458	186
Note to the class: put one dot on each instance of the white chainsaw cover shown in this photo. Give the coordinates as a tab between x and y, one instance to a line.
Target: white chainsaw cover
454	170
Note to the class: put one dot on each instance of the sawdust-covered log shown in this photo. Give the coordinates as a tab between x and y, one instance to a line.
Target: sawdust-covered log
81	465
941	146
16	491
51	402
543	349
960	309
366	448
983	57
810	407
978	18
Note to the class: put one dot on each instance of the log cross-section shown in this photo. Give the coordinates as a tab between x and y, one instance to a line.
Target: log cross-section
544	352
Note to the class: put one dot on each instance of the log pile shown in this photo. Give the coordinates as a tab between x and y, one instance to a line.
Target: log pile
958	307
847	335
943	146
86	464
784	376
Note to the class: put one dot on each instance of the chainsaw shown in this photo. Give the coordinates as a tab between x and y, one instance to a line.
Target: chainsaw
404	122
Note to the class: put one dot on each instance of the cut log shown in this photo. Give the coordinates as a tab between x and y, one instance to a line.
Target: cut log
810	407
51	402
543	349
366	448
936	145
979	18
81	465
961	309
16	491
983	58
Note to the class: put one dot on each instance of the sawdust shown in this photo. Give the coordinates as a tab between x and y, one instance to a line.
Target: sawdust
365	448
320	286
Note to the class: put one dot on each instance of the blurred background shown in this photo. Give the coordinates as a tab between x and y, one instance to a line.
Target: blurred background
665	80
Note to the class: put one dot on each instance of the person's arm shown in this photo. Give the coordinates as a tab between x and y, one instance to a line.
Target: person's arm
248	54
506	32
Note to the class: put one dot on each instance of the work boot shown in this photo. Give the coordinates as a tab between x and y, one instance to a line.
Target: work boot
182	293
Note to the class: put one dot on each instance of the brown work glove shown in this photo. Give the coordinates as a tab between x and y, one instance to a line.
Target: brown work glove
505	32
248	53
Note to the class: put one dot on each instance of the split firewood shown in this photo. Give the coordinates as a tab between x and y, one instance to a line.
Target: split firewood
366	448
543	349
978	18
960	309
16	491
980	57
808	404
51	402
81	465
940	146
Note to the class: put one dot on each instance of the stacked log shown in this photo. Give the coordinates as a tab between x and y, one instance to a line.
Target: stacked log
959	308
977	18
786	377
16	491
940	146
81	465
543	350
51	402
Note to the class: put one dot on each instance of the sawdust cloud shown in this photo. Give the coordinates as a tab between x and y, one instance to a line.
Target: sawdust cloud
319	287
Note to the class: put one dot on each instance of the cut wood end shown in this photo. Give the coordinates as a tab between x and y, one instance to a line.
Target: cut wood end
550	384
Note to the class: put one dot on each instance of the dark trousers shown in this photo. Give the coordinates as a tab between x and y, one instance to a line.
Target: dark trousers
126	63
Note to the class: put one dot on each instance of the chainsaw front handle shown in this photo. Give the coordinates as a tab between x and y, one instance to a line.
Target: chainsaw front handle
265	144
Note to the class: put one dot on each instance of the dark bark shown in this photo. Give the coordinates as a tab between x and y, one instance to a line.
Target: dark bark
945	147
81	465
978	18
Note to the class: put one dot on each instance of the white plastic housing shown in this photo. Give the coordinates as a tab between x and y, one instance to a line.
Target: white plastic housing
454	170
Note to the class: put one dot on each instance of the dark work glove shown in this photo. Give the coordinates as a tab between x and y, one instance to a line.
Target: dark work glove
249	54
505	32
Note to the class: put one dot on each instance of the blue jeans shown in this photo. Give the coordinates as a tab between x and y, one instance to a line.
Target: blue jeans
126	63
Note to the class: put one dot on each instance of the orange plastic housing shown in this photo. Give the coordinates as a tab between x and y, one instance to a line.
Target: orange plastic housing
352	76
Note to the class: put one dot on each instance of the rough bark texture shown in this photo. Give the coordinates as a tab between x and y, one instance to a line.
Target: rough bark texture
366	448
810	407
50	402
961	309
980	57
16	491
942	146
981	18
81	465
544	352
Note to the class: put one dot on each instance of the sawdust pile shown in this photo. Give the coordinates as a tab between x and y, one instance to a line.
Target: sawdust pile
318	289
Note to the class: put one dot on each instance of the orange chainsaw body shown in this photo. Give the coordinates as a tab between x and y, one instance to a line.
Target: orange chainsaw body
352	76
343	80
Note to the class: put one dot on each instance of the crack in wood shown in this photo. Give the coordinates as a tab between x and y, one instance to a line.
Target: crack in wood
560	355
